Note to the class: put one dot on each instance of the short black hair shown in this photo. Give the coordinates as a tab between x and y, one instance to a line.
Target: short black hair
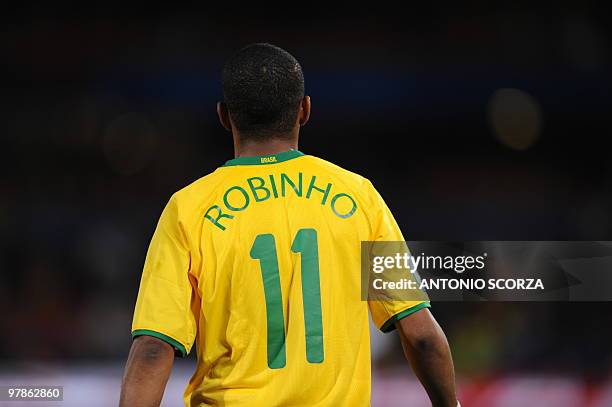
263	86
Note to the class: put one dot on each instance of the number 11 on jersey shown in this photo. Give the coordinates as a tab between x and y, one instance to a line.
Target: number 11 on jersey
264	249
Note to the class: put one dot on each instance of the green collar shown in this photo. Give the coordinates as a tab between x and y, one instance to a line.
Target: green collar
264	159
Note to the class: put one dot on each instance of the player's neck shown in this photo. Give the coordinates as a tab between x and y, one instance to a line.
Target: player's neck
267	147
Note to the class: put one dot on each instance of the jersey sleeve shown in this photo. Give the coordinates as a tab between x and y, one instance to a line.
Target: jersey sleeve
385	313
164	304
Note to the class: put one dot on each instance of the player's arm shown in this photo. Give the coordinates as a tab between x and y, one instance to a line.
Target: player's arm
423	340
427	350
146	373
164	322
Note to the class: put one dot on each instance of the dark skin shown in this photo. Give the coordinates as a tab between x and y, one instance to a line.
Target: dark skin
150	359
427	350
272	145
146	373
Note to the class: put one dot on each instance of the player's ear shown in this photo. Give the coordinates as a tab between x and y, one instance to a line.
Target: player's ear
304	113
223	114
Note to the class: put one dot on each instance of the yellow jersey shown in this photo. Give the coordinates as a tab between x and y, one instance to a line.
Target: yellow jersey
258	265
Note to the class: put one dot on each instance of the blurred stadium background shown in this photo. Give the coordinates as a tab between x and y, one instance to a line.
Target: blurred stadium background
475	120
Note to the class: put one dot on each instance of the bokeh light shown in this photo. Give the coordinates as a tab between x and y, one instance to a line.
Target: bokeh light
516	118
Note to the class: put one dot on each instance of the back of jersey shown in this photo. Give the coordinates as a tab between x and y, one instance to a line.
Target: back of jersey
271	287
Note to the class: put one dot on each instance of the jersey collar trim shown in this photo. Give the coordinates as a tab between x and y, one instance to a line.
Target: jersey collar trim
264	159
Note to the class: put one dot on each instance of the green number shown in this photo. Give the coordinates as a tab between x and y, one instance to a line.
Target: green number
264	250
305	242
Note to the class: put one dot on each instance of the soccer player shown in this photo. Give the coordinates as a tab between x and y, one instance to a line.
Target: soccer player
257	266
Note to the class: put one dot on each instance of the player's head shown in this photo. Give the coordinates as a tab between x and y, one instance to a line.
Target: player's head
263	91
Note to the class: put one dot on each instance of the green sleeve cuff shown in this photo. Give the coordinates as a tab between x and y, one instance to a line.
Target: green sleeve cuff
389	325
178	347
